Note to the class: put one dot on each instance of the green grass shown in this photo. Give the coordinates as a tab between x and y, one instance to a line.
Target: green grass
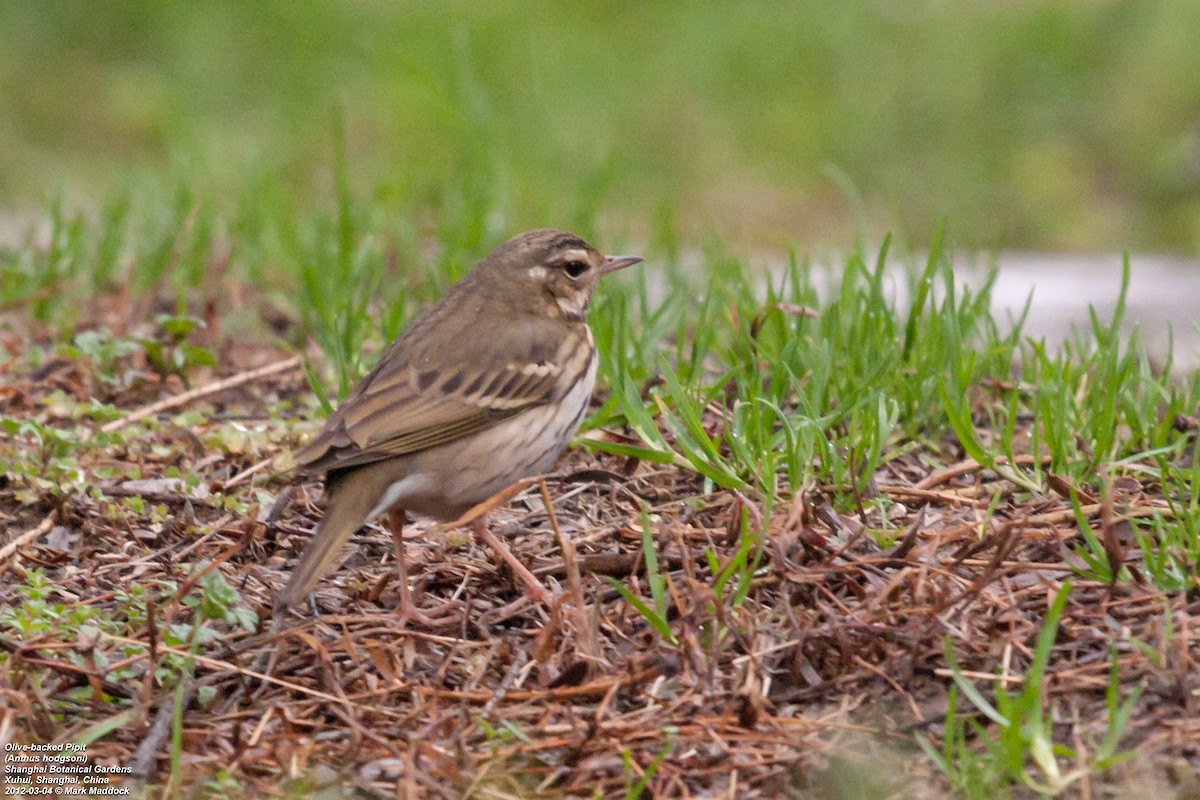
771	384
331	185
810	400
1024	750
1037	124
822	378
656	614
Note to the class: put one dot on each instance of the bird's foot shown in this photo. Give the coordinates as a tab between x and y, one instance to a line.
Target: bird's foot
442	615
535	592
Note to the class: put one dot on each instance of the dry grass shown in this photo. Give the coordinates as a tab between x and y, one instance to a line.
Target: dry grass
812	685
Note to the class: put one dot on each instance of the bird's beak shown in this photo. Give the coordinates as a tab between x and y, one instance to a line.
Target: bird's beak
614	263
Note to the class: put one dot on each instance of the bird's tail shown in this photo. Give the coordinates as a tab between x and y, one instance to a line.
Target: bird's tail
348	501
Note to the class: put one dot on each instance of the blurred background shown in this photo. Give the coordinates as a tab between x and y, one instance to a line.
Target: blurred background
1050	126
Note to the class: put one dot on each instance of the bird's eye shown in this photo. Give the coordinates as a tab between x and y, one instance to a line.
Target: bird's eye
575	268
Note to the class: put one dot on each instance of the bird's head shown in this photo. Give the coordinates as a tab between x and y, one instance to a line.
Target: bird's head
552	271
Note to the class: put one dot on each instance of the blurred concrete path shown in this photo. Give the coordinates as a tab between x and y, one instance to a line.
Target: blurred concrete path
1163	298
1163	301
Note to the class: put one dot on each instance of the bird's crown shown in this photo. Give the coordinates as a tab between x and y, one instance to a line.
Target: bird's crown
554	270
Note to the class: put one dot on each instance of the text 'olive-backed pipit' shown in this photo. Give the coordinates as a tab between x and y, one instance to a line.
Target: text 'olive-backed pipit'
482	389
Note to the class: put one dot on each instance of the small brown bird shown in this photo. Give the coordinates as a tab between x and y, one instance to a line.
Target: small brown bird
480	390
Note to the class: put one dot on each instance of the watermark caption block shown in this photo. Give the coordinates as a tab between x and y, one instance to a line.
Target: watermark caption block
59	770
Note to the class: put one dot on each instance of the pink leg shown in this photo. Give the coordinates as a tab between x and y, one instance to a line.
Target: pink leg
407	610
534	589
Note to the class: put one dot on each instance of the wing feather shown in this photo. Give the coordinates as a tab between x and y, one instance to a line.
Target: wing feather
397	410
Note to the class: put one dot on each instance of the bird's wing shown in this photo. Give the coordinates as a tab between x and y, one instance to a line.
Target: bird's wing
400	408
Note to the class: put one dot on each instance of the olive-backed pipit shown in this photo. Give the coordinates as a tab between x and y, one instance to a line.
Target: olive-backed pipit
480	390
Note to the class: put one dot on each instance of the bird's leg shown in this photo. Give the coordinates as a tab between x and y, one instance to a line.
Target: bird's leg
534	589
407	610
475	519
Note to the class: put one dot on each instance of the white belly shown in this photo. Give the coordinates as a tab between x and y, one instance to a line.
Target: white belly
446	481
